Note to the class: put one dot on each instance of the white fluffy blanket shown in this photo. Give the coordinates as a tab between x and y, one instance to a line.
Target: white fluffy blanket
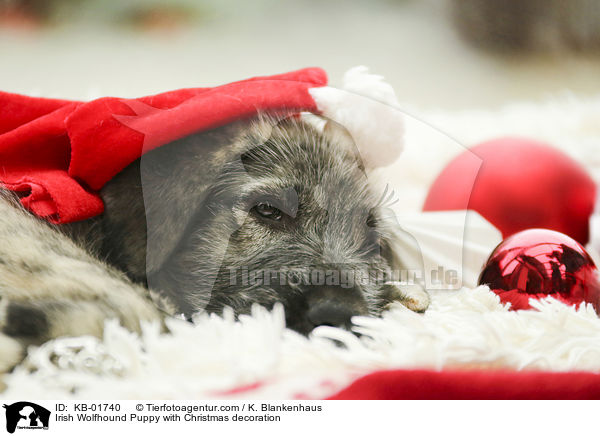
257	357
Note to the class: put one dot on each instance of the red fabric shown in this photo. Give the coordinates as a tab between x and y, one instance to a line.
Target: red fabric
472	385
59	153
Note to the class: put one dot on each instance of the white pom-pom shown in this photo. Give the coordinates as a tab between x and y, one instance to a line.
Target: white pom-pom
368	109
359	81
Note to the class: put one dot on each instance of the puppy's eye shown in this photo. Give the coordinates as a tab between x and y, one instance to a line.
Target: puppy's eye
267	211
372	220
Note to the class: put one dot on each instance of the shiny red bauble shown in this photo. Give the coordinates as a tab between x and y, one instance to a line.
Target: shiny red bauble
538	263
518	184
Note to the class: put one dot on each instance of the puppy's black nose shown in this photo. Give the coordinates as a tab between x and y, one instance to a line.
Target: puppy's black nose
334	306
330	313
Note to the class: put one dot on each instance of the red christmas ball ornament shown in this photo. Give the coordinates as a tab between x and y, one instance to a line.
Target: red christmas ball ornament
537	263
518	184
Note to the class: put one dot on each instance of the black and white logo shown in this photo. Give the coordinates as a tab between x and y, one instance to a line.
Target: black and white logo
26	415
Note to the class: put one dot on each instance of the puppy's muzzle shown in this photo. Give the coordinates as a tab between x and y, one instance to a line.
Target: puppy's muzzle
334	306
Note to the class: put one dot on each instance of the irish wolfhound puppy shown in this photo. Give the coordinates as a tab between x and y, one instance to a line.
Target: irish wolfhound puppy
258	212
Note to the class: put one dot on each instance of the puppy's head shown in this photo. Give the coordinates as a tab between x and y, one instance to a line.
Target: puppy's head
287	216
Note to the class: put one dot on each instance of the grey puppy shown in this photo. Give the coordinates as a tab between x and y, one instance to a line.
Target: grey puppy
257	212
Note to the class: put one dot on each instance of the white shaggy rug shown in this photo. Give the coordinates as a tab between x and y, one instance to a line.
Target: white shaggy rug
256	357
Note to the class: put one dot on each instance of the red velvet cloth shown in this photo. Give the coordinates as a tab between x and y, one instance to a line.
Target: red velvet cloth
57	154
472	385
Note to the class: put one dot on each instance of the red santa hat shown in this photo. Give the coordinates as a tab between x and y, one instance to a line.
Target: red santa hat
58	154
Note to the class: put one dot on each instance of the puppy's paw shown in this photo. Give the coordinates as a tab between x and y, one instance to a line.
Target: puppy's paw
25	322
413	296
35	321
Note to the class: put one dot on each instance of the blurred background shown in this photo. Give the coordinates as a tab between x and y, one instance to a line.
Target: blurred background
438	54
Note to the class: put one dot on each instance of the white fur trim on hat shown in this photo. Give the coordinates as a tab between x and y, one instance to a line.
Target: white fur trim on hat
367	108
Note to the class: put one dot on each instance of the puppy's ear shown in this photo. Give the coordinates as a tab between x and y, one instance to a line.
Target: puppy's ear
150	204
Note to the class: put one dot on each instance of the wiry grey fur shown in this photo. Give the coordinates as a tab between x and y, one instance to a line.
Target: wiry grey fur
181	226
